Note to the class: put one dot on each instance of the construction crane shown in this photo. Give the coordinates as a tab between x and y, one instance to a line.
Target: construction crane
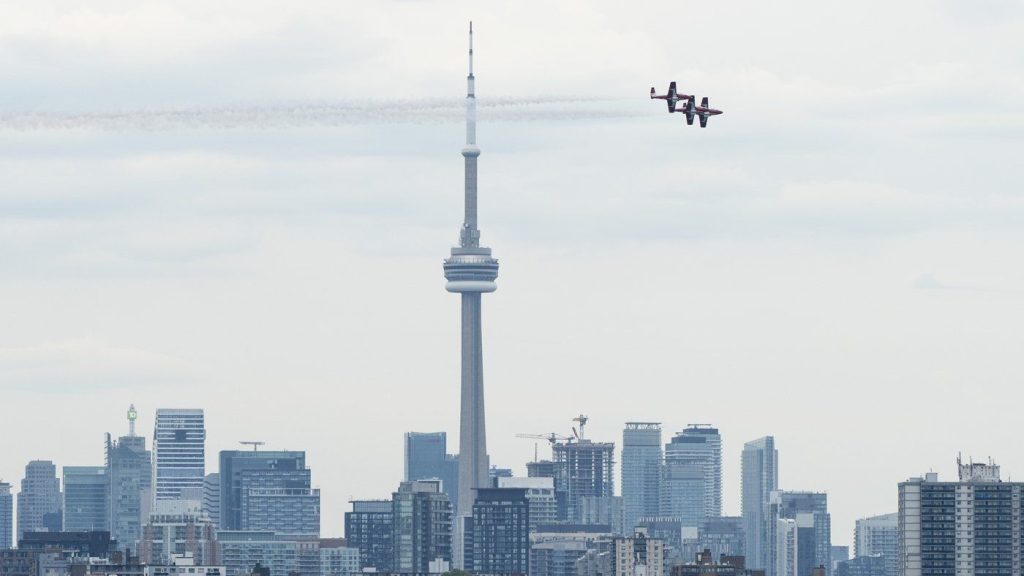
254	443
551	437
583	422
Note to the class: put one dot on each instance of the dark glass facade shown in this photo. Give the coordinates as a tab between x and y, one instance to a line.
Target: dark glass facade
938	529
498	536
993	529
368	527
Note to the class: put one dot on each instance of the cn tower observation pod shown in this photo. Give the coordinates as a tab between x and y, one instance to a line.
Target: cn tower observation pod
471	269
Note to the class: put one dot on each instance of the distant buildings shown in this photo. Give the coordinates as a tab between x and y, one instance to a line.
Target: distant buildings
39	501
422	526
683	486
211	497
6	516
638	555
695	450
95	544
86	498
569	549
179	453
541	469
722	536
862	566
540	494
878	536
337	558
707	564
800	529
369	528
426	457
268	491
584	469
971	526
178	527
641	471
760	477
279	554
498	533
129	475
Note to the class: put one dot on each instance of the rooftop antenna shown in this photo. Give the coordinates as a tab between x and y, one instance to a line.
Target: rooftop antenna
254	443
132	415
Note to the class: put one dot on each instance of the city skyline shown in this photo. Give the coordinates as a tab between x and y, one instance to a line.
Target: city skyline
813	265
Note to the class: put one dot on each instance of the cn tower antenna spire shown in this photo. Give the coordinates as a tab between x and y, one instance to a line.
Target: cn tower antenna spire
470	235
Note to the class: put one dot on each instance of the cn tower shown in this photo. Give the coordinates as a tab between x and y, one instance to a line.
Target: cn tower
471	271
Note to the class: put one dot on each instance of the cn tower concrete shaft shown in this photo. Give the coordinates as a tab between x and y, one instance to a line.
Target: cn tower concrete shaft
470	271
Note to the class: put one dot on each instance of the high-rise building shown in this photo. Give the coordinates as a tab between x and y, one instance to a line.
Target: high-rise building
760	477
211	497
540	493
878	536
583	469
6	516
129	471
86	499
699	445
179	453
498	533
641	471
39	502
369	528
422	533
178	527
971	526
268	490
801	530
683	486
470	271
427	457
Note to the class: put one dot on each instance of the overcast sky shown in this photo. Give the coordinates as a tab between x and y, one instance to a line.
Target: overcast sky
244	206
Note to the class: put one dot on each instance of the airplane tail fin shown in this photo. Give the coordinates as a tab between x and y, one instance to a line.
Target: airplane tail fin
652	92
703	121
704	102
672	88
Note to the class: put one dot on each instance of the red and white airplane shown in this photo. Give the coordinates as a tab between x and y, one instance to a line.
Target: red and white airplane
671	98
702	111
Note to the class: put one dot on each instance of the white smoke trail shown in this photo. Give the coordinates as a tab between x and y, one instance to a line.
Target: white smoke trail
424	111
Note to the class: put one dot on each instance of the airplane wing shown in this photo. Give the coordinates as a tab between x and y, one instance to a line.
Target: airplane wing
704	102
703	121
